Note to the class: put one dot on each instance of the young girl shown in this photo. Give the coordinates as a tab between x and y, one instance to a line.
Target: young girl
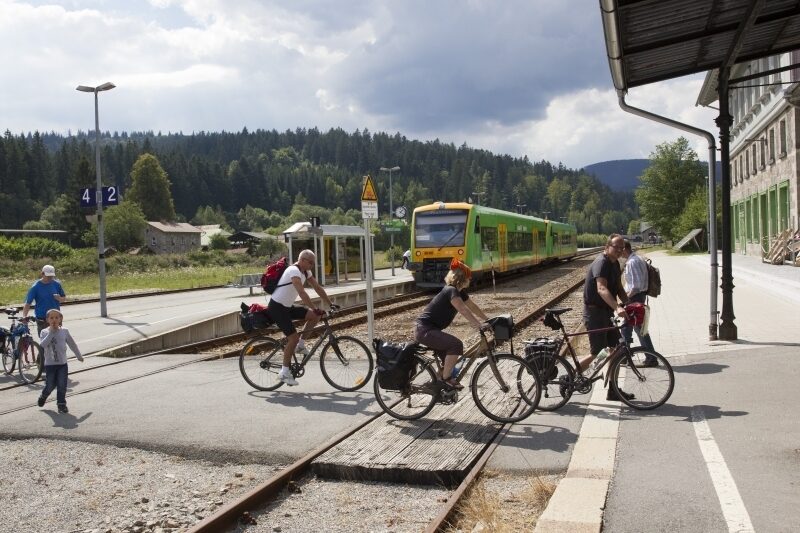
55	340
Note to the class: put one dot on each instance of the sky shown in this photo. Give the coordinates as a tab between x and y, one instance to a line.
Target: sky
519	77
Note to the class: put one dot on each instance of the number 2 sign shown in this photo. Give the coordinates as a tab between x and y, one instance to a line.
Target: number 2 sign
89	196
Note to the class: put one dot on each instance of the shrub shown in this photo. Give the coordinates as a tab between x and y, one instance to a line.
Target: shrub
590	240
32	248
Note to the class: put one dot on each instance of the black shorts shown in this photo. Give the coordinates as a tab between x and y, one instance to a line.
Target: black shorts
597	318
283	316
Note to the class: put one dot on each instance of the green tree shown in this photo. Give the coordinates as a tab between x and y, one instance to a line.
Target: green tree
695	214
219	241
633	227
124	225
150	189
674	173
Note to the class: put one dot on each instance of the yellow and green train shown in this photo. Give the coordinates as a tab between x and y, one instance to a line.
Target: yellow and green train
485	239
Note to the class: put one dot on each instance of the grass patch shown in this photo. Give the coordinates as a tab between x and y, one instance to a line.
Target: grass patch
13	290
504	504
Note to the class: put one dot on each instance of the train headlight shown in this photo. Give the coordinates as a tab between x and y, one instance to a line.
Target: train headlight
418	253
460	251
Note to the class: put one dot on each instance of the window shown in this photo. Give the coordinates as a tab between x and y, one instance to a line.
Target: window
753	160
437	229
771	146
763	143
489	239
782	138
747	163
733	175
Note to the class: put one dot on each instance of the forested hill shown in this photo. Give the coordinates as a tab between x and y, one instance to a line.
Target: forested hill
623	174
274	170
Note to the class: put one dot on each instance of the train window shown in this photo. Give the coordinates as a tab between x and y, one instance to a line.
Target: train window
489	239
478	224
436	229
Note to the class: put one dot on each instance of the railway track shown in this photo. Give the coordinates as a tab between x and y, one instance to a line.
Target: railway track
229	345
243	509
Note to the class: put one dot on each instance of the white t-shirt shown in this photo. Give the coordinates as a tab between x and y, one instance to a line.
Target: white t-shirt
287	294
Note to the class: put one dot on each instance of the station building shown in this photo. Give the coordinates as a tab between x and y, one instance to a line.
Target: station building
763	151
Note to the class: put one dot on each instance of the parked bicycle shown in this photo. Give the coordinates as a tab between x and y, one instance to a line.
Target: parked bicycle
19	349
345	361
504	386
647	385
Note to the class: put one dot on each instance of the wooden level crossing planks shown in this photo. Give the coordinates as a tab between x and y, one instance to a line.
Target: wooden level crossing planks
436	449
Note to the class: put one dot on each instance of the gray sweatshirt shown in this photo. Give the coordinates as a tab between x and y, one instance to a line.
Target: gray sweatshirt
55	346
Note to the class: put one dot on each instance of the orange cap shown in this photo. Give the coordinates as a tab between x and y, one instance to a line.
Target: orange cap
456	263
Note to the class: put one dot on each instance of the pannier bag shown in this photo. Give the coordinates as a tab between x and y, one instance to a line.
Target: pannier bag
539	353
395	363
639	315
253	317
503	326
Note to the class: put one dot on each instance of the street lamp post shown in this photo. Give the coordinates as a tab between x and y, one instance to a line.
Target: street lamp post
478	194
391	213
520	207
101	260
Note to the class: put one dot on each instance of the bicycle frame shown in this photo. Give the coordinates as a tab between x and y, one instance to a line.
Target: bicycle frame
470	360
622	349
326	335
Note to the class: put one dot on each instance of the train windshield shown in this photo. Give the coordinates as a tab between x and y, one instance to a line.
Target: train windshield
437	229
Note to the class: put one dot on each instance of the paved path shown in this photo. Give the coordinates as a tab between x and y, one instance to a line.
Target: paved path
722	454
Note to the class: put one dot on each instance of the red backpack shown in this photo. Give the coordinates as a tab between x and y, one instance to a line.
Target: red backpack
271	276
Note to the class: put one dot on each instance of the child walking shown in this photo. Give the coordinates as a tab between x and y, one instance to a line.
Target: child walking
55	340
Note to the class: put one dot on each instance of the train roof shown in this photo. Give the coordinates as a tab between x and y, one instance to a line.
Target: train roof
483	209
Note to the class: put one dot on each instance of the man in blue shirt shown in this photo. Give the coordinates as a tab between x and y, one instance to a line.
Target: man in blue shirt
47	293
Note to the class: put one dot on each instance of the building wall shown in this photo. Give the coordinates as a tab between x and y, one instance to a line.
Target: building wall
170	243
764	161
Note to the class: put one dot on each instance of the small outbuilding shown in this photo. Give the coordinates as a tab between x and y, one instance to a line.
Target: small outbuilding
171	237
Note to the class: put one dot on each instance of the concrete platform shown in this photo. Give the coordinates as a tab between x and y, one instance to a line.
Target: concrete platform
657	479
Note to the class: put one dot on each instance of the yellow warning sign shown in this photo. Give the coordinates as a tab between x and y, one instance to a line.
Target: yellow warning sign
368	193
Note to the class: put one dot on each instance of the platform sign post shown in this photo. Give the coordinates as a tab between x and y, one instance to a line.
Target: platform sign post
369	211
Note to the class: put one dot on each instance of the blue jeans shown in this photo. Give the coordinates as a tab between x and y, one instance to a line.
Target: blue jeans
627	331
56	378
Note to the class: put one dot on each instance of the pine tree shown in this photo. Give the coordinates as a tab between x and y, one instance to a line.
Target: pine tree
150	188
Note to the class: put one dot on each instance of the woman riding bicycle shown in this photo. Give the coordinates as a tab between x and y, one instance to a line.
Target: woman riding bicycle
441	311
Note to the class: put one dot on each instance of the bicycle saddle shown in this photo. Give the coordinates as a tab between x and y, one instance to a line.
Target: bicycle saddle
557	310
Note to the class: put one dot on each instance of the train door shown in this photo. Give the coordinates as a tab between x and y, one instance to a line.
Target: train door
502	245
536	257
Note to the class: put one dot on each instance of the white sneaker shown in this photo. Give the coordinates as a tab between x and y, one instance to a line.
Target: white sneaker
301	351
287	378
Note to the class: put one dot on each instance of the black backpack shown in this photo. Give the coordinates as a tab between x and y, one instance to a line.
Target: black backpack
653	280
395	363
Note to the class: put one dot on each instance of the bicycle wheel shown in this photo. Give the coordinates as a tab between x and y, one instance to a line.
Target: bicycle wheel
346	363
9	361
414	401
30	362
512	403
650	386
555	374
260	362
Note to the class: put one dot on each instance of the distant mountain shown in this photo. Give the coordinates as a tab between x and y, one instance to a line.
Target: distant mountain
623	174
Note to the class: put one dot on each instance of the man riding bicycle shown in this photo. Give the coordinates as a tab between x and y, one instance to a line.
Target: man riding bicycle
282	310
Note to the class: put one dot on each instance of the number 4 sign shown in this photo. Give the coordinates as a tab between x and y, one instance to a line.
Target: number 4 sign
89	196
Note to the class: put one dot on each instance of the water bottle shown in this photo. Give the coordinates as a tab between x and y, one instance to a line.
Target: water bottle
457	370
598	360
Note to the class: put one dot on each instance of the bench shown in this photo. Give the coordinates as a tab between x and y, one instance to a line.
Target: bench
247	280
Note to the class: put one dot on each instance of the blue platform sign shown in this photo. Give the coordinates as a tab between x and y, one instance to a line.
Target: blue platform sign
110	196
89	196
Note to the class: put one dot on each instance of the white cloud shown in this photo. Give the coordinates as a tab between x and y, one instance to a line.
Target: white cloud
521	77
